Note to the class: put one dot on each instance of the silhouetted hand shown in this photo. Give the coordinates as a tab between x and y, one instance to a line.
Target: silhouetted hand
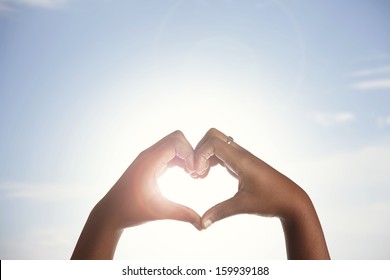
262	190
136	198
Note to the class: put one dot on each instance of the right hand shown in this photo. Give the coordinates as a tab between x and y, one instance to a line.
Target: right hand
136	198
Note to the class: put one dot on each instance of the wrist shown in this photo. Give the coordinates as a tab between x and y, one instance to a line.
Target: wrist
303	232
297	205
104	219
99	238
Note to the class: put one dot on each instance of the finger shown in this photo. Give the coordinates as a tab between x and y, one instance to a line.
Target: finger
176	161
174	211
227	208
214	143
213	161
173	149
185	152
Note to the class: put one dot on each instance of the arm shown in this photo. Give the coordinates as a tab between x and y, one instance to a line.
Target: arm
98	239
262	190
135	199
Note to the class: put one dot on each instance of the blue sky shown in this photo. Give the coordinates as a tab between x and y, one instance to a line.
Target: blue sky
87	85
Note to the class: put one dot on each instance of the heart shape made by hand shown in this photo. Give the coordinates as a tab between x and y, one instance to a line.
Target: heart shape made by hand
137	198
198	194
213	149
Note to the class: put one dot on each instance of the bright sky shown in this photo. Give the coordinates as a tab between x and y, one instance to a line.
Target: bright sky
87	85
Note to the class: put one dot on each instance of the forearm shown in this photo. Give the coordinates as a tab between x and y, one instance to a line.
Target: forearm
303	233
98	239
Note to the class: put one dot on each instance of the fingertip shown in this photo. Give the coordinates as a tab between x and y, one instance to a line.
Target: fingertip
208	218
198	225
203	174
186	214
207	223
194	175
196	221
201	163
190	167
201	171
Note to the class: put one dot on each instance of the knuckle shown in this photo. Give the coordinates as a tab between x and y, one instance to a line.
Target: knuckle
177	134
212	131
175	142
212	135
176	138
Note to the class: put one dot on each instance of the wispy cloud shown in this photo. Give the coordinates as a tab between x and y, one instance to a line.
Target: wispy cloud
3	7
383	121
371	78
328	119
373	84
50	4
43	3
39	191
40	241
370	71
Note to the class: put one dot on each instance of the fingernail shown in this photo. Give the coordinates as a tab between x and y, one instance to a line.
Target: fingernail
200	173
207	223
190	168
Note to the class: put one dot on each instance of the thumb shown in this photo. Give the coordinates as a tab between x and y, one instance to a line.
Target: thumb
174	211
227	208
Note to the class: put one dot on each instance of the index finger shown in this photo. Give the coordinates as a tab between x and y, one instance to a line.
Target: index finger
215	143
174	148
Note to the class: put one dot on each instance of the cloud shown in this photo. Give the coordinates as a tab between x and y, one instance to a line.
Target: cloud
40	191
43	3
49	4
370	71
371	78
328	119
51	241
383	121
373	84
4	8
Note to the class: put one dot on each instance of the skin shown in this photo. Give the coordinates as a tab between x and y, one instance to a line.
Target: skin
264	191
135	198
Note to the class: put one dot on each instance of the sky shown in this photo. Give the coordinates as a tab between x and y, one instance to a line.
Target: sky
85	86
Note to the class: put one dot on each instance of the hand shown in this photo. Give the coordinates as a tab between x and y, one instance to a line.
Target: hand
135	199
262	190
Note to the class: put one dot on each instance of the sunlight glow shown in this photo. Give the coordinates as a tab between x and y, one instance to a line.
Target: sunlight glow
85	86
199	194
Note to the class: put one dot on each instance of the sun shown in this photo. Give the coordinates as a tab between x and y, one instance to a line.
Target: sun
198	194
